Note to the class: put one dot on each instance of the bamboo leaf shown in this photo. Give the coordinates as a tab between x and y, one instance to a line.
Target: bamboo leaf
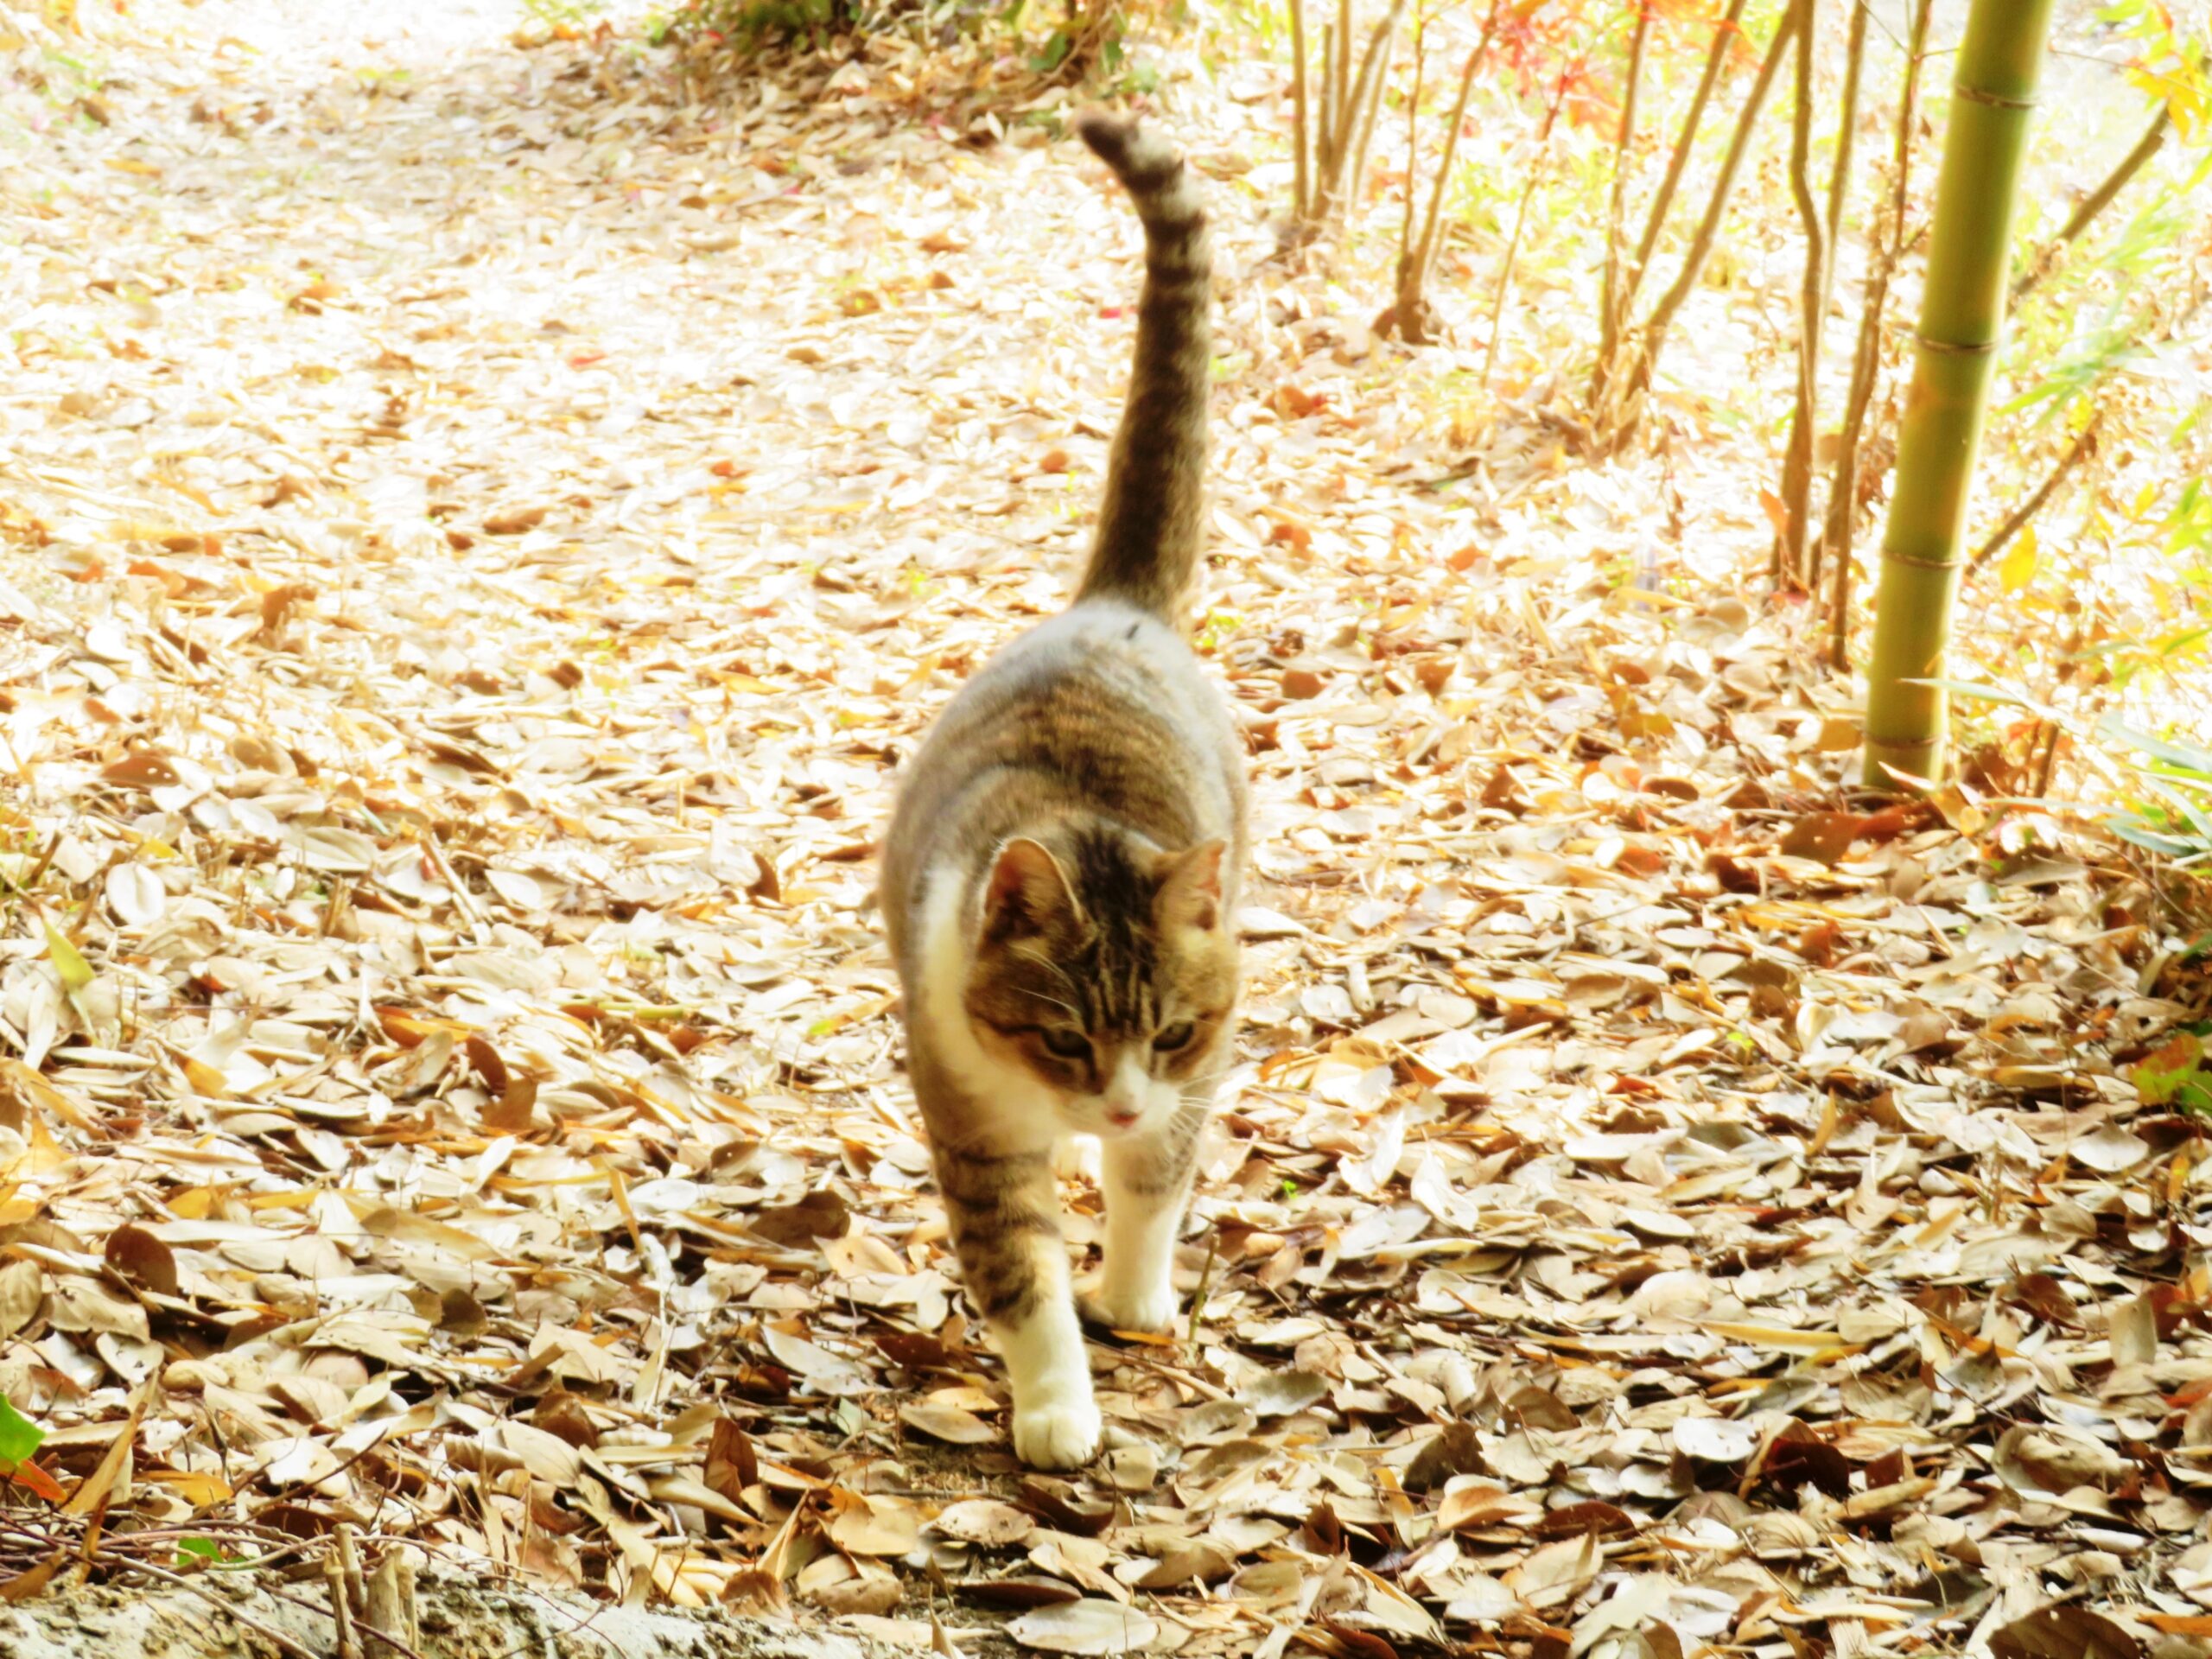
1979	691
2173	751
76	972
2151	841
2172	1070
20	1438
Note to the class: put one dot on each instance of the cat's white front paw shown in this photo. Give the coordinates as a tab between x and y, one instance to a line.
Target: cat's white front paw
1149	1309
1061	1435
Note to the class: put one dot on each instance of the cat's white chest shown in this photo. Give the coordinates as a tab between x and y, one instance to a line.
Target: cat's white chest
1019	1105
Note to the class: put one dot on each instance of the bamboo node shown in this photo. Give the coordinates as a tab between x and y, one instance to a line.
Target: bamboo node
1874	742
1996	100
1955	347
1919	563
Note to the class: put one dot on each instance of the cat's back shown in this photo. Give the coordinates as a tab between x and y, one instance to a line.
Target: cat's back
1103	709
1101	660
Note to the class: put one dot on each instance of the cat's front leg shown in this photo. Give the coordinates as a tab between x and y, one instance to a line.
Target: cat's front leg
1146	1185
1003	1206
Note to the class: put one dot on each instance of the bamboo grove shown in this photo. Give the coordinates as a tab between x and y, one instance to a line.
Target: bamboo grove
1874	494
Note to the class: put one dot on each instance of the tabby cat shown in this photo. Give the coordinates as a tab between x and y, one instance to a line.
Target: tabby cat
1060	875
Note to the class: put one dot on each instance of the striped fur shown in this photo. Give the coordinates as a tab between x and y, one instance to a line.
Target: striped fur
1152	522
1058	877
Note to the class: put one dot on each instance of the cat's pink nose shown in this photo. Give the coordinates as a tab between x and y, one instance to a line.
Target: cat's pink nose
1121	1119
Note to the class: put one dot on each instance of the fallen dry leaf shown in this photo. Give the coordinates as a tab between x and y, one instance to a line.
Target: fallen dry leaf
454	674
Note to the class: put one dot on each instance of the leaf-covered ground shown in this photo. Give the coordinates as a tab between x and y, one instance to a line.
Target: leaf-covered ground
480	531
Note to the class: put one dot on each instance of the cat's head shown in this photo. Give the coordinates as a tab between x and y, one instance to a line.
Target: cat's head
1105	967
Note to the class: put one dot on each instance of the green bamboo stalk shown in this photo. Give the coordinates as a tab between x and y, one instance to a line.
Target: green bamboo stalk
1961	318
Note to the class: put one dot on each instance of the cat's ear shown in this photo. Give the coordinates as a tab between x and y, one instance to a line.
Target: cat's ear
1190	887
1027	893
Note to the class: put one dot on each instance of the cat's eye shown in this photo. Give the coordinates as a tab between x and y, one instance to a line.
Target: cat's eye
1068	1044
1174	1036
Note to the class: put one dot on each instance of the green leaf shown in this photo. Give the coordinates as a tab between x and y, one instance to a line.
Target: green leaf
1981	691
1057	48
2174	1075
76	972
207	1552
2150	840
2177	801
20	1438
2172	751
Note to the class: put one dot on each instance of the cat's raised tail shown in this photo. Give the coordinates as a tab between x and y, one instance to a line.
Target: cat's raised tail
1152	522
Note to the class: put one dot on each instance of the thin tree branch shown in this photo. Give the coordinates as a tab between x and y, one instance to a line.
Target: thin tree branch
1789	560
1716	207
1847	136
1520	220
1724	36
2084	446
1342	91
1839	191
1608	310
1866	365
2046	258
1415	264
1349	107
1381	45
1301	127
1325	120
1412	135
